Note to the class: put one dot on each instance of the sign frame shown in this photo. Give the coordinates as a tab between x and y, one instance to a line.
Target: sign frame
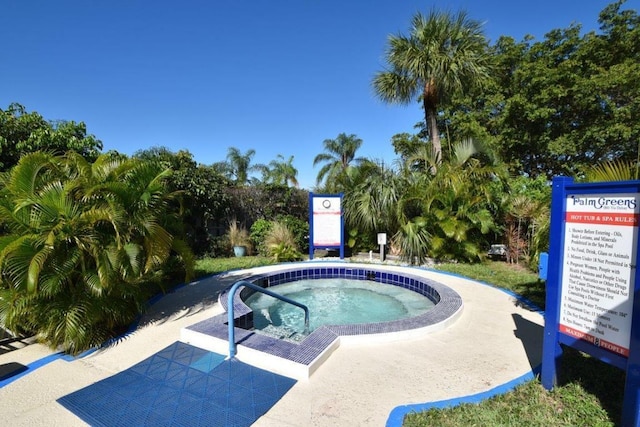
326	222
563	188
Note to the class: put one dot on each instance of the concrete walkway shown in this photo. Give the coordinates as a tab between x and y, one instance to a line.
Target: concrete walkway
494	341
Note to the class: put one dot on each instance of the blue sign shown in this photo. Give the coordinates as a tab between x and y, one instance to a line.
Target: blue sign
592	279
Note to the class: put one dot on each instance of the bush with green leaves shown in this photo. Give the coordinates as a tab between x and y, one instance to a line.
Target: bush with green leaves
203	197
84	245
258	233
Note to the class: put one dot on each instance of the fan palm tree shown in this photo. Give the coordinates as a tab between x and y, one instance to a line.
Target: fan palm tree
444	53
371	204
339	154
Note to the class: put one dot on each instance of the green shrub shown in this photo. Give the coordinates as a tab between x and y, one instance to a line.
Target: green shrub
258	233
281	244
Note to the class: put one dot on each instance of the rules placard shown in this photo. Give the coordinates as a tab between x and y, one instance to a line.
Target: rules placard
596	300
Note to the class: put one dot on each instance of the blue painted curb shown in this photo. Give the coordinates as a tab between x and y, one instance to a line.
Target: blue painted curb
32	367
396	417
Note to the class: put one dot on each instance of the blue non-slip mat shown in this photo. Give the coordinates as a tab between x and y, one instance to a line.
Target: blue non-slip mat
181	385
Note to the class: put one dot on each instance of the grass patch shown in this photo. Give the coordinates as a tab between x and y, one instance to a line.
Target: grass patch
513	277
589	392
528	405
209	266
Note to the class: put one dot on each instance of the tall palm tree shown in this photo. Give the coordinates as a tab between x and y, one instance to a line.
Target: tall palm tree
444	53
281	172
240	164
338	156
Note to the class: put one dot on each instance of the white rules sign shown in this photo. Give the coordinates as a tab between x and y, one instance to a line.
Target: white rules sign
596	300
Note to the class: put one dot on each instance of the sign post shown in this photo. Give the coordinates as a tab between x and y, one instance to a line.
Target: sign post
591	281
382	240
326	223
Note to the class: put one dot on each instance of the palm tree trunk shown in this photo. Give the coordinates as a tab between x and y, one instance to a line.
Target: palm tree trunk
430	102
434	134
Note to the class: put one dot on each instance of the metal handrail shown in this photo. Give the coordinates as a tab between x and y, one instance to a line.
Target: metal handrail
230	297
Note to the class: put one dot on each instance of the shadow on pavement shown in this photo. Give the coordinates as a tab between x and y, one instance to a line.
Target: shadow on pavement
190	299
530	333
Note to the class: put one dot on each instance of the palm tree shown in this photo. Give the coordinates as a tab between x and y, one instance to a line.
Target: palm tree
82	242
444	53
240	164
281	172
338	156
613	170
371	204
457	203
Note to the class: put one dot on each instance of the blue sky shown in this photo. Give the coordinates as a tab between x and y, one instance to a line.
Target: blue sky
276	76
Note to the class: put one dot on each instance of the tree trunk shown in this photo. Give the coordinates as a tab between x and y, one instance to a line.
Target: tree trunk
429	102
434	134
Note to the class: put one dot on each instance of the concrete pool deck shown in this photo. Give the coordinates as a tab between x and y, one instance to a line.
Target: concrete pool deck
495	341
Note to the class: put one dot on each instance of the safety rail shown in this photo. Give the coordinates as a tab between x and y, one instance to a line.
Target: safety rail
230	297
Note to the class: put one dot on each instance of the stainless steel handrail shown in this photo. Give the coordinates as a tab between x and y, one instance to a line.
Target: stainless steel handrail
230	297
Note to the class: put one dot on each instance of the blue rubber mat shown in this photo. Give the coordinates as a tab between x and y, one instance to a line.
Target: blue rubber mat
181	385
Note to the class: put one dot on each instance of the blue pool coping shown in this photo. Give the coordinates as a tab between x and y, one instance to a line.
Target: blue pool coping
397	414
447	301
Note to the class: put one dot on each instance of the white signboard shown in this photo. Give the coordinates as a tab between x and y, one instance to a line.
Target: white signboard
596	302
327	212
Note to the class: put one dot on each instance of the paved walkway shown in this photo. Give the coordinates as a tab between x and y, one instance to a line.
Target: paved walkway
495	341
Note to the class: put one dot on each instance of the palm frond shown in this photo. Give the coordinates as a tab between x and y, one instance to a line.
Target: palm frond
615	170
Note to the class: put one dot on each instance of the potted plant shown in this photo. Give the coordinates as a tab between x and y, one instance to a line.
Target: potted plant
239	238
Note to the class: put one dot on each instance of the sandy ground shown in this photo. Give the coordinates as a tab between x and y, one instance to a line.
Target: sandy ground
494	341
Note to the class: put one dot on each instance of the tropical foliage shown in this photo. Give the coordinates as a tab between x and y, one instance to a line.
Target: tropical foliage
338	157
84	245
238	165
296	227
23	132
444	54
280	243
446	215
237	234
203	196
615	170
559	105
280	172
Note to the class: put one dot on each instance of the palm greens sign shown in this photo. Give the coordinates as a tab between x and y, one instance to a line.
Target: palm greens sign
592	280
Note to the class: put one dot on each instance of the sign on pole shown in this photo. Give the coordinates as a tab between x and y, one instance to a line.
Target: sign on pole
326	224
591	281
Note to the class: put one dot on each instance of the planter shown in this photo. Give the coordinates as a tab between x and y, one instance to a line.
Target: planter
240	251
